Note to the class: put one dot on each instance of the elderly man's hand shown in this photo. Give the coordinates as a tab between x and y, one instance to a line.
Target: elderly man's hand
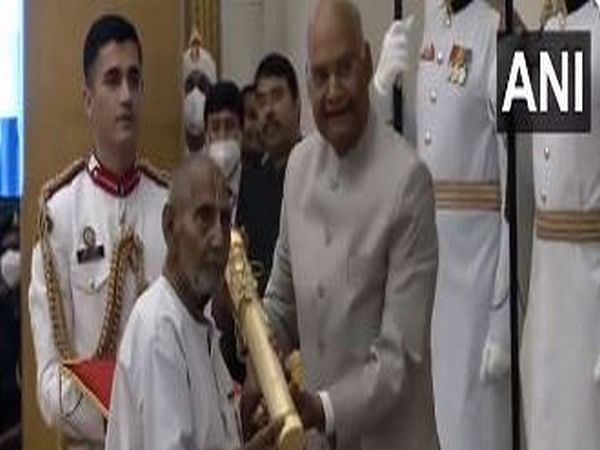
309	407
266	437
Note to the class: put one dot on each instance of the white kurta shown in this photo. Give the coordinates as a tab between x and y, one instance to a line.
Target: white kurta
561	338
458	141
172	390
77	205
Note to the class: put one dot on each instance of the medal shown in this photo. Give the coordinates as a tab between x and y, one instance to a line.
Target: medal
89	237
460	58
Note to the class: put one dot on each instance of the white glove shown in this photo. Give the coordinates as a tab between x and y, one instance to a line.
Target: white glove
10	267
394	56
495	361
597	371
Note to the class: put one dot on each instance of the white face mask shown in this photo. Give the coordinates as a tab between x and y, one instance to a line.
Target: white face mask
227	155
193	112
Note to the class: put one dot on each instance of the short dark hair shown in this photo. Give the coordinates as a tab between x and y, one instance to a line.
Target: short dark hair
224	96
279	66
248	89
107	28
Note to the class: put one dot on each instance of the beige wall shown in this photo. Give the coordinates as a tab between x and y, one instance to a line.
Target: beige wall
56	128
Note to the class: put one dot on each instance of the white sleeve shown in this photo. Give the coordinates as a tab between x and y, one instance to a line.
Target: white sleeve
61	403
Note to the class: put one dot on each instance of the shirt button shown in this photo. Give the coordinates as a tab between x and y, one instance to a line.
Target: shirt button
544	198
320	291
433	96
546	153
427	138
440	58
448	22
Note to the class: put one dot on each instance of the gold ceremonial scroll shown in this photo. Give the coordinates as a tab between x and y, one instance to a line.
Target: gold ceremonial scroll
250	317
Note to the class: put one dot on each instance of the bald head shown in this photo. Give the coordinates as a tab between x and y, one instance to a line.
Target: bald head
339	69
343	14
197	171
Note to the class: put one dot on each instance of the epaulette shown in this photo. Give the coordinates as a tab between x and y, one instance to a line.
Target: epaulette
52	186
159	176
62	179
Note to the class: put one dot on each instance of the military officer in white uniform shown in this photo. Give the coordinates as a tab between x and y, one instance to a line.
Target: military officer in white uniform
100	239
354	267
561	338
458	141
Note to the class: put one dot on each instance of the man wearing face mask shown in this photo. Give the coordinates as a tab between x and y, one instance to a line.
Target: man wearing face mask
224	116
199	73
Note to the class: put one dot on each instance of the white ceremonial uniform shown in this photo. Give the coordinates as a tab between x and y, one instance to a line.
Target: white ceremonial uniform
172	389
352	286
561	337
86	218
456	132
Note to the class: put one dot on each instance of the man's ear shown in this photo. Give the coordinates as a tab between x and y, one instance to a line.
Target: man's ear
168	223
88	100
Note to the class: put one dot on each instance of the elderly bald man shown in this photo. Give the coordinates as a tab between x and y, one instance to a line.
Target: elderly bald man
172	389
355	264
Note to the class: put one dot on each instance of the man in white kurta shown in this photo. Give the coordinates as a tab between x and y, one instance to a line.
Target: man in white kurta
99	238
561	337
354	267
172	389
457	139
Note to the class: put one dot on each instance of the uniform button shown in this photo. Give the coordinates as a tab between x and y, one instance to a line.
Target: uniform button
546	153
427	138
448	22
440	58
433	96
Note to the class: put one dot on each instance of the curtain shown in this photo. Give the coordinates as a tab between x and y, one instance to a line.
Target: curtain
11	98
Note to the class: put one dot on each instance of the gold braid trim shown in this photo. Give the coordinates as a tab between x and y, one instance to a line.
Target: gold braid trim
55	301
161	177
128	253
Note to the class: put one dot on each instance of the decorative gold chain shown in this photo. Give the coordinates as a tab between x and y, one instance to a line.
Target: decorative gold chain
128	253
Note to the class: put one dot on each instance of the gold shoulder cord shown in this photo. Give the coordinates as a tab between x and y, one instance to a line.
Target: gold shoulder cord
55	303
128	253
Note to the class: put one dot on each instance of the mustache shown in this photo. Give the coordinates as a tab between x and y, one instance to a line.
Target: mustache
271	123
